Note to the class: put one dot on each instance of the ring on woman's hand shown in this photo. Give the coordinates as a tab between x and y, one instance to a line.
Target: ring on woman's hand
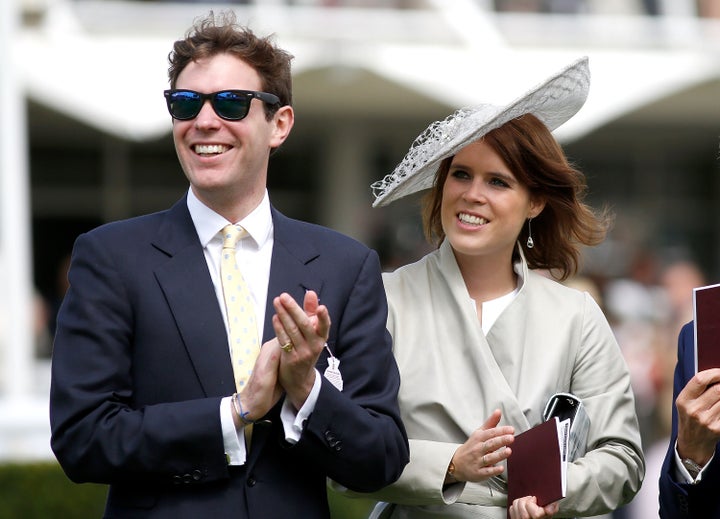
484	463
288	346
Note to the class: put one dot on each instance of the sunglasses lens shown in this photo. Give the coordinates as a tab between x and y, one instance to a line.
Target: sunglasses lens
231	105
184	104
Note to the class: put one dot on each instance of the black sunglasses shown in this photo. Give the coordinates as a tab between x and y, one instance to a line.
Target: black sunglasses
231	105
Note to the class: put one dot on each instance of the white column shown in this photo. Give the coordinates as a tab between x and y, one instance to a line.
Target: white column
24	427
116	180
345	189
16	338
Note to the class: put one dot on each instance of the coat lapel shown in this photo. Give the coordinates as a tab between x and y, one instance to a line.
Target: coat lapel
189	291
495	391
289	272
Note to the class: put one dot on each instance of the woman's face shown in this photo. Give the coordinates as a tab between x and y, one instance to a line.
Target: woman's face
483	205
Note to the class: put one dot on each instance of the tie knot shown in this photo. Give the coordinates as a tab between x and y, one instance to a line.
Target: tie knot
231	236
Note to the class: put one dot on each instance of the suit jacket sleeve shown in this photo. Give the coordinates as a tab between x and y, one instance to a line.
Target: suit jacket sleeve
681	500
111	422
356	435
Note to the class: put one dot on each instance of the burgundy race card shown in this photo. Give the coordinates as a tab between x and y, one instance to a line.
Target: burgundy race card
536	466
706	306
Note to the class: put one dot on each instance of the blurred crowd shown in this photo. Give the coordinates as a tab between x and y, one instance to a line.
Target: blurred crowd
647	307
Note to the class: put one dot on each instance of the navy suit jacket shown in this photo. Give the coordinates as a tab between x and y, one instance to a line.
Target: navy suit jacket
680	500
141	362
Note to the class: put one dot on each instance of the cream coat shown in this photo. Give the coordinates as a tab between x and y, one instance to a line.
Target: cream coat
550	338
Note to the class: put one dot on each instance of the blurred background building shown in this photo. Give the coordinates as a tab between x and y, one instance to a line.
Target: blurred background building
85	139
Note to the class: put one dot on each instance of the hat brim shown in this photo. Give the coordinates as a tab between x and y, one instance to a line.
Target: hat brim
554	102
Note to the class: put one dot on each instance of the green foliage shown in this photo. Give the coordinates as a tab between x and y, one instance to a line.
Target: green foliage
42	491
342	507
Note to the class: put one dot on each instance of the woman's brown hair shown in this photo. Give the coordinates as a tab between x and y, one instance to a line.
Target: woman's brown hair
536	159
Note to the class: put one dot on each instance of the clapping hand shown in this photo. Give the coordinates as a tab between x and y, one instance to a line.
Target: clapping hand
302	333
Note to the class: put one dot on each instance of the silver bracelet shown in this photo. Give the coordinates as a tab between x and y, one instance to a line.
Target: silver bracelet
239	410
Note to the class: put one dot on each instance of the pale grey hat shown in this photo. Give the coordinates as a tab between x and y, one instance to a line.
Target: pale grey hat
554	102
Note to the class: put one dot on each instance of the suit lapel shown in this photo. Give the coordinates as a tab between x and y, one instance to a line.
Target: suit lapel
189	291
289	271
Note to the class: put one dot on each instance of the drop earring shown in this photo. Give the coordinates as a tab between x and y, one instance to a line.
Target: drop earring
530	242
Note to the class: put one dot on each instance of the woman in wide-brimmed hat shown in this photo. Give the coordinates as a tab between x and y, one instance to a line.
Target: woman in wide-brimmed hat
483	341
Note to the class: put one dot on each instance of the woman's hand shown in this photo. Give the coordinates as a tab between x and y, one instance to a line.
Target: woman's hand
477	459
527	508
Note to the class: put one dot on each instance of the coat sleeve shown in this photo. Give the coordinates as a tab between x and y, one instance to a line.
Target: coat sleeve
422	482
356	435
100	432
612	470
680	500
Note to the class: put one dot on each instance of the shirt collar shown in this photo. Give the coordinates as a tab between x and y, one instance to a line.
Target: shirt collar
208	223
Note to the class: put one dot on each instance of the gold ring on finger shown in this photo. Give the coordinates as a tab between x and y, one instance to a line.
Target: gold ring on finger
288	346
484	463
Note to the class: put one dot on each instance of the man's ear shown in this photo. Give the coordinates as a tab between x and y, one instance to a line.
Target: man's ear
284	119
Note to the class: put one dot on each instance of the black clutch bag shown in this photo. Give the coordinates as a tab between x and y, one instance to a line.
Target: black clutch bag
567	406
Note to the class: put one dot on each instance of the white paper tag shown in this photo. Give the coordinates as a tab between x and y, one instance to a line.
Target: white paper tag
332	372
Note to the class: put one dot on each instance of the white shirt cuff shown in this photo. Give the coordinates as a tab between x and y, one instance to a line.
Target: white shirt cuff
293	423
233	440
681	473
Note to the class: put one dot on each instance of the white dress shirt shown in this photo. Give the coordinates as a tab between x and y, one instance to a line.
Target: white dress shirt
253	257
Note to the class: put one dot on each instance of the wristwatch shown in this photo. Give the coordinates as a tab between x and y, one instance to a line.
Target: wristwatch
692	467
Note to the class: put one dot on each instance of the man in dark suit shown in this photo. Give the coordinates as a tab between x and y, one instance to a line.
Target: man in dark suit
143	395
690	476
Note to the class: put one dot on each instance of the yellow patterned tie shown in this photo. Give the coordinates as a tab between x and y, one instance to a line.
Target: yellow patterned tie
244	347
